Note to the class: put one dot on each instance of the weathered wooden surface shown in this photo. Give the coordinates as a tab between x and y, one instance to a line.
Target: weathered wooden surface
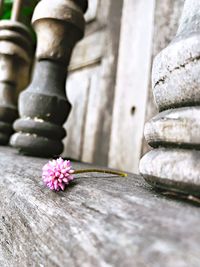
131	85
100	221
175	79
58	26
173	169
94	63
178	127
175	74
16	54
167	16
111	67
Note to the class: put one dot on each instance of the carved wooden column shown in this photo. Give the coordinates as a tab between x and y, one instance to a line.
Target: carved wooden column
43	106
174	163
16	52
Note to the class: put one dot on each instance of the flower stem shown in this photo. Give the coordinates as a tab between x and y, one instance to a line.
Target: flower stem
101	171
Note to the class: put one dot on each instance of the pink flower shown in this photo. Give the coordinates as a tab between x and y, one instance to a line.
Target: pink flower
56	174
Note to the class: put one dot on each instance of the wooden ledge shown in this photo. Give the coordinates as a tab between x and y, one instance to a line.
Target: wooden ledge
100	220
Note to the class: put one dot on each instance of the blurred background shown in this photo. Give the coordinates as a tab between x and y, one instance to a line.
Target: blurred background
26	13
109	81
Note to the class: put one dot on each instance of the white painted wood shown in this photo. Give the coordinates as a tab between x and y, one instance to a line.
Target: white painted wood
92	10
132	84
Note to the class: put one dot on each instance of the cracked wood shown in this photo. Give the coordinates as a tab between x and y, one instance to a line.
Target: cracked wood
100	220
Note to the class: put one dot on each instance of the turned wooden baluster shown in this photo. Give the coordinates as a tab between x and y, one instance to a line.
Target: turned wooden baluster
16	52
174	163
43	107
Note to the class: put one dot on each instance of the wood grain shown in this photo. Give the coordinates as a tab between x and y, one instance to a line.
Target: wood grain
178	127
100	220
88	52
167	16
95	61
79	93
132	83
121	48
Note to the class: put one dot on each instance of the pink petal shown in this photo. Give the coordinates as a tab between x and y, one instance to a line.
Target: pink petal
62	186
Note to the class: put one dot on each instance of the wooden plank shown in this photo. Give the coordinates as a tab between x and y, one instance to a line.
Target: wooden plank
132	84
101	20
78	91
107	80
78	94
89	51
99	48
100	220
94	110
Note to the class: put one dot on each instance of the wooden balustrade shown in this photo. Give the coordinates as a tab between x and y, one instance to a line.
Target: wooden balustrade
43	106
174	163
16	53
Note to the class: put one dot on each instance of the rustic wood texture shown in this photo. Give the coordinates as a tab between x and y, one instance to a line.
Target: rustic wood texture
175	73
172	169
178	127
132	83
88	52
122	81
79	94
167	16
58	26
175	79
94	63
100	220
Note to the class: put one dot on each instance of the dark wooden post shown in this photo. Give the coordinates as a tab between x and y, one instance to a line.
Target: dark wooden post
16	52
1	6
175	133
43	106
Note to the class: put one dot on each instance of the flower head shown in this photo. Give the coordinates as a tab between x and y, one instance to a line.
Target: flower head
56	174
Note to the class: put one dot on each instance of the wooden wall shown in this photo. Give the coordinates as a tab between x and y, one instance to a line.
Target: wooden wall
91	84
109	83
132	81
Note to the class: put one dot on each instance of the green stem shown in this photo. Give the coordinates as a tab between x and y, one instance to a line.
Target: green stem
101	171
